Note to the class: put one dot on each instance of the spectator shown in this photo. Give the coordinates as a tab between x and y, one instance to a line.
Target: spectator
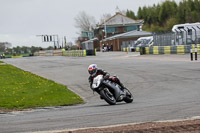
4	56
102	47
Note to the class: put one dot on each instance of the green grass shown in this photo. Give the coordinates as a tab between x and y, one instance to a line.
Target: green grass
16	55
20	90
1	62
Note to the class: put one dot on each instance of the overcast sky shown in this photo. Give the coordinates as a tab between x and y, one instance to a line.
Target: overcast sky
22	20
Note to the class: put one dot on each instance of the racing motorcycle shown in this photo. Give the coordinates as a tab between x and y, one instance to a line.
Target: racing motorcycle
111	92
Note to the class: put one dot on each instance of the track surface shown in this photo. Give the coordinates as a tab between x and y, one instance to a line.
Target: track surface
164	87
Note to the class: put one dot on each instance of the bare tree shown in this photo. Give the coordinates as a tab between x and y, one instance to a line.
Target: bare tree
84	22
104	17
123	12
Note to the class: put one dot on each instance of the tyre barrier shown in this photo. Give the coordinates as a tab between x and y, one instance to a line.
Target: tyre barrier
180	49
128	49
78	53
90	52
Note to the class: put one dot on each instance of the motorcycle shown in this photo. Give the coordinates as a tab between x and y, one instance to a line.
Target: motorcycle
111	92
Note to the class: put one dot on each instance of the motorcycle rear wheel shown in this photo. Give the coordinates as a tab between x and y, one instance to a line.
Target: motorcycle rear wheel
108	97
129	97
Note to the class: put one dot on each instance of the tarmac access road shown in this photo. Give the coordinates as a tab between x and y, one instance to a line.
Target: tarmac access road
165	87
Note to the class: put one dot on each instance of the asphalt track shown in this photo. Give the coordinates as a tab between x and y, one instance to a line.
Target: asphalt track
165	87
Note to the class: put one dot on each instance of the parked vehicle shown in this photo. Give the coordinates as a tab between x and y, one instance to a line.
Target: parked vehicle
144	41
110	91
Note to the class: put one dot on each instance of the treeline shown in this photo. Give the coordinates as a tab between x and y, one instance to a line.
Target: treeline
162	17
24	50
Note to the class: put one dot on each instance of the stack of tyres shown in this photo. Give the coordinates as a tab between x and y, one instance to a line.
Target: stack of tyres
90	52
142	50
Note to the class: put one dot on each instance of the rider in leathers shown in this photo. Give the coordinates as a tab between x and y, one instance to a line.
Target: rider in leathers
105	74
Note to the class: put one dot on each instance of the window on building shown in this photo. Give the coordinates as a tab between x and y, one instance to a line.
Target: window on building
116	29
110	29
130	28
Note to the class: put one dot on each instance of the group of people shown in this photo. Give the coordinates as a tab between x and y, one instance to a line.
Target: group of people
3	56
106	48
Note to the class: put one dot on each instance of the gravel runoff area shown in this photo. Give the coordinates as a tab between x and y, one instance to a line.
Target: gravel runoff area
191	125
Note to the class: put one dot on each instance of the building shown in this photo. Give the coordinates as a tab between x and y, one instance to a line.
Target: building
125	39
115	30
85	35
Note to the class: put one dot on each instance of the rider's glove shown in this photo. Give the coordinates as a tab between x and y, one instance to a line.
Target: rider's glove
106	76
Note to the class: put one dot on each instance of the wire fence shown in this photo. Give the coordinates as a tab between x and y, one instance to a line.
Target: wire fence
168	39
163	39
178	38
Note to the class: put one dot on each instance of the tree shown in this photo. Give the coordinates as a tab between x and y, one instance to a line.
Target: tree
130	14
163	16
35	49
170	23
168	9
17	50
181	13
49	48
104	17
84	22
139	13
4	46
25	49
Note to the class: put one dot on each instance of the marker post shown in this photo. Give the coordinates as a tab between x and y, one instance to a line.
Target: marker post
191	54
195	43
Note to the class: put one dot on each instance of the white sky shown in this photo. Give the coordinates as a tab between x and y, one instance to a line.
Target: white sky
22	20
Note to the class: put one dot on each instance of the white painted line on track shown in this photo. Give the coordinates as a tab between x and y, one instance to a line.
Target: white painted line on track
128	124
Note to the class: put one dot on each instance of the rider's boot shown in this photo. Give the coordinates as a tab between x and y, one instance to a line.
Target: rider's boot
119	83
122	86
101	97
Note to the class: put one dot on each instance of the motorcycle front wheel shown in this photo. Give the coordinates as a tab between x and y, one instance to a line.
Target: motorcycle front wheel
108	96
129	97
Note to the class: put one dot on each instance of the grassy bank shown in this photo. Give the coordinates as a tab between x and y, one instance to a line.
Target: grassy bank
20	89
17	55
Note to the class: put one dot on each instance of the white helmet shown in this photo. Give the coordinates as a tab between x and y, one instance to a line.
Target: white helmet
92	69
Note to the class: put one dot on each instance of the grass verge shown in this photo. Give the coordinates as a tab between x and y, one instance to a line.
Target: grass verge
1	62
20	90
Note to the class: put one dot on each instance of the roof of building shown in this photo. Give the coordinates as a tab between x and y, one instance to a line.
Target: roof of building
129	34
120	19
91	40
